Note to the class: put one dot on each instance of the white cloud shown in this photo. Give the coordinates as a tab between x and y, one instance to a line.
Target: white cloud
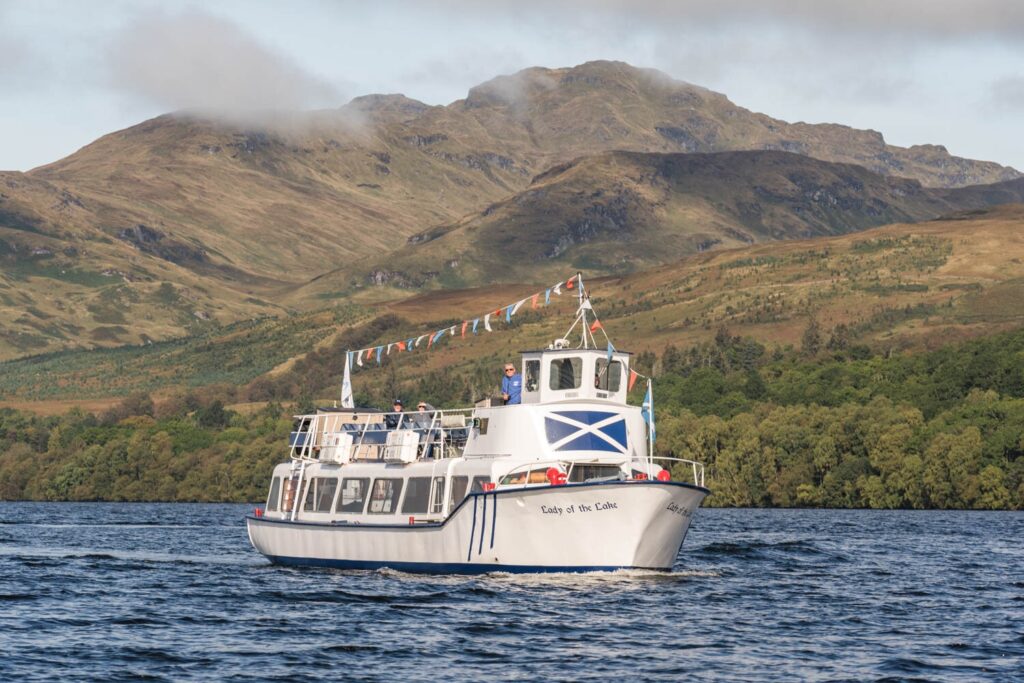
194	60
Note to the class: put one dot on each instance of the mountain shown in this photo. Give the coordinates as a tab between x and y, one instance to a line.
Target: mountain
627	211
903	286
183	221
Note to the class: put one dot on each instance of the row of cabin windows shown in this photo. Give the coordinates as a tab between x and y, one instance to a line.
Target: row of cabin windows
383	496
567	373
579	474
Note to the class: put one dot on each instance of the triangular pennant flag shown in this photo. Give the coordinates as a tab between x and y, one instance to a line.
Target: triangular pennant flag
419	339
475	322
586	305
369	354
533	301
568	283
359	358
409	344
487	322
611	350
596	325
508	314
464	323
437	335
401	346
389	347
451	330
519	304
547	297
557	289
632	379
380	350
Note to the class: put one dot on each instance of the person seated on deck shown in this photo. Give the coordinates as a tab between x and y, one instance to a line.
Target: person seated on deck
394	419
512	386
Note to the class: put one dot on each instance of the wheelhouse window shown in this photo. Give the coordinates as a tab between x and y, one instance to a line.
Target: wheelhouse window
608	376
384	496
531	376
417	495
566	373
353	494
320	494
478	484
458	491
275	494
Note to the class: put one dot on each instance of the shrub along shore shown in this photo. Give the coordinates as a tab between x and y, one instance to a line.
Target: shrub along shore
828	425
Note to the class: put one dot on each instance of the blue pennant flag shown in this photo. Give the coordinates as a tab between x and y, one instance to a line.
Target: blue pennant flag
611	350
437	336
379	350
508	314
476	321
547	297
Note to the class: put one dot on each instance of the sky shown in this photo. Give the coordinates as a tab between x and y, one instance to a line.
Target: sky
947	72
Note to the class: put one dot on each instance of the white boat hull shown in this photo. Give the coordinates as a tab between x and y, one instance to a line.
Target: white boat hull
576	527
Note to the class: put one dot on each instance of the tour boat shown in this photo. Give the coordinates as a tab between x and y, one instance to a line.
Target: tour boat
564	481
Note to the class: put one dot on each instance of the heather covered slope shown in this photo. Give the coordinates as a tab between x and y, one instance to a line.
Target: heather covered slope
185	221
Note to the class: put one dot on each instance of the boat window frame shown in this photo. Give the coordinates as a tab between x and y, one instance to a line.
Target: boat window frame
556	374
364	498
395	498
531	376
606	384
480	479
428	481
274	497
460	484
317	490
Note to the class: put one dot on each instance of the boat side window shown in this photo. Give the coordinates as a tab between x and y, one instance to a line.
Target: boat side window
384	496
320	494
531	379
275	494
437	498
353	494
478	484
566	373
458	491
417	495
608	376
522	477
582	473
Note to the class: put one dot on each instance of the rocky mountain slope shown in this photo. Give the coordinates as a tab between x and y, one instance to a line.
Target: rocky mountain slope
181	222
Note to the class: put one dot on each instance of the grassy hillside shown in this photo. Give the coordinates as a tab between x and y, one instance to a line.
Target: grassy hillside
238	220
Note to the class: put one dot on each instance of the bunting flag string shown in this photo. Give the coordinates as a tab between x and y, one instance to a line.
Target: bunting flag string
472	324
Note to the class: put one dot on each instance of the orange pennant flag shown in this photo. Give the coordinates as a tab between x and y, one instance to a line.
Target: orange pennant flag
596	325
568	283
401	346
632	379
369	354
533	300
464	324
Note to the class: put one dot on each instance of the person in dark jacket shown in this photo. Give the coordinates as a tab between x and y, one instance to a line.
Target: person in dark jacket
394	419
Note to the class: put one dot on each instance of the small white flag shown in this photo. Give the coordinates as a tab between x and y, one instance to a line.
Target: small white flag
346	383
487	322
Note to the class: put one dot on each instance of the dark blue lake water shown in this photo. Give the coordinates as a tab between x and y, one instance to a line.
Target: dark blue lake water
172	592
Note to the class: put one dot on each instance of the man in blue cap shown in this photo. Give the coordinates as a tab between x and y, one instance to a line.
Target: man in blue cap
512	386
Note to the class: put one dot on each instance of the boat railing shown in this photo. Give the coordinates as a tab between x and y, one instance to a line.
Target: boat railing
346	436
697	467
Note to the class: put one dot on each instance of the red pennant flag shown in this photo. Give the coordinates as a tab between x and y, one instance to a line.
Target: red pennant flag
569	284
596	325
632	379
464	323
369	354
533	301
401	346
496	313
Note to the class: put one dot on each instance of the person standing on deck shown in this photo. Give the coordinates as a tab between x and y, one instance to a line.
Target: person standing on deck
512	386
392	420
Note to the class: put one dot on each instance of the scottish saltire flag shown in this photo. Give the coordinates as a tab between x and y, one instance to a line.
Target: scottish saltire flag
611	350
647	410
586	430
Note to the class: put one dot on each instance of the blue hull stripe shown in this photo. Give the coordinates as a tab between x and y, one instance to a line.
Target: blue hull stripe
444	567
483	527
472	532
494	518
